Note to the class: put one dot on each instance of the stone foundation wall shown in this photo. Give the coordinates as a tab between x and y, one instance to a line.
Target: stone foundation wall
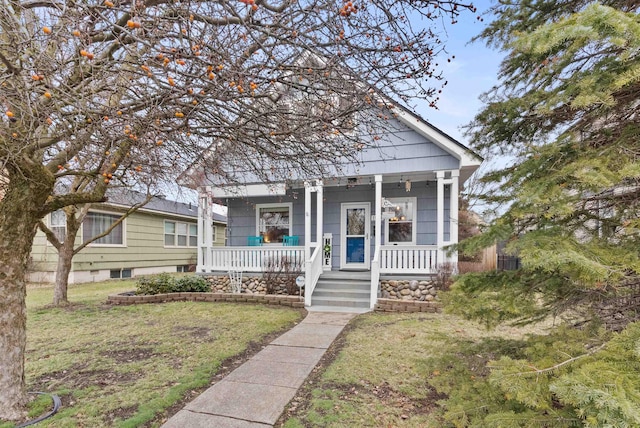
250	285
409	290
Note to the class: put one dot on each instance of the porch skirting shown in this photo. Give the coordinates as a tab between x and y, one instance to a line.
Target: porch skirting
423	290
251	284
418	290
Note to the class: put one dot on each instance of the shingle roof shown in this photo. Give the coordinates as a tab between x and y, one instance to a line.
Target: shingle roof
125	197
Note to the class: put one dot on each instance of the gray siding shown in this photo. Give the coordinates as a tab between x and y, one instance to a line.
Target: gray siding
400	150
242	212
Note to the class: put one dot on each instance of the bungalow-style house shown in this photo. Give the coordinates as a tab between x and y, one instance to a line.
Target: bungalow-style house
159	237
392	213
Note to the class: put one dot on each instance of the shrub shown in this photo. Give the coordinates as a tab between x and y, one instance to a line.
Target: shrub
281	271
165	283
192	283
444	273
155	284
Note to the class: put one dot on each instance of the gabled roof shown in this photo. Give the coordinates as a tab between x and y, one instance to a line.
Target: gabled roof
467	156
445	153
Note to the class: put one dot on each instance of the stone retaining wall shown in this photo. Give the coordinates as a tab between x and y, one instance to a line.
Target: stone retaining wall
270	299
396	295
408	290
250	285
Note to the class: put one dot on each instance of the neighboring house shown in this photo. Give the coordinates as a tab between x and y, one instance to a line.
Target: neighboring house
161	236
391	214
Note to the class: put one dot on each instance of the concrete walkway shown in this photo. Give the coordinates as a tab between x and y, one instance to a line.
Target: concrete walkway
255	394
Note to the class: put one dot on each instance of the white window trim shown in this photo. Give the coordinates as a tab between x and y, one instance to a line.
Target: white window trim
289	205
214	233
124	231
175	234
414	228
50	225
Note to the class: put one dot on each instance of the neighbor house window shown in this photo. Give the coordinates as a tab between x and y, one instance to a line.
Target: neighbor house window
119	273
401	228
58	224
96	223
273	222
177	234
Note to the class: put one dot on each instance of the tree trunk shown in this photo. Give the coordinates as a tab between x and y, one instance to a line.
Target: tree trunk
65	257
20	210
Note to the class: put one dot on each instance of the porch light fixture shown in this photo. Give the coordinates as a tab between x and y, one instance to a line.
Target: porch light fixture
407	186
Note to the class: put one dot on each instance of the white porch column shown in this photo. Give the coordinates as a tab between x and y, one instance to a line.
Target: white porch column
440	215
319	212
453	213
205	231
307	220
378	213
375	263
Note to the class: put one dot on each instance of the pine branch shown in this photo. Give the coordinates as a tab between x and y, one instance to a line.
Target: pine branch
557	366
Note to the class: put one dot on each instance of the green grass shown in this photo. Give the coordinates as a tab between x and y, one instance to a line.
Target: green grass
391	366
125	365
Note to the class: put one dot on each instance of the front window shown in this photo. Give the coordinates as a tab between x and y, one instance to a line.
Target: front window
177	234
274	222
95	224
58	224
401	228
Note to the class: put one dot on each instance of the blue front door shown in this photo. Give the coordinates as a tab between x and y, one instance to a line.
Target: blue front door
355	227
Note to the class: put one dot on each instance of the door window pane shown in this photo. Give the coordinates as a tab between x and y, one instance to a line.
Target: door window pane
355	221
355	250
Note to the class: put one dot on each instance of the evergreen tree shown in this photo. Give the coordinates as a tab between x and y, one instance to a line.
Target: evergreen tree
565	110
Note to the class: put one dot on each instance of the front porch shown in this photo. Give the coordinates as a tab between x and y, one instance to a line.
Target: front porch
337	291
345	247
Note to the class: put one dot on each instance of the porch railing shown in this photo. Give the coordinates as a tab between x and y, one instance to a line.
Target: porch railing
408	259
313	271
253	259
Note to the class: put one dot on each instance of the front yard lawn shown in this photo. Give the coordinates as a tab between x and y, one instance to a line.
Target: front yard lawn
392	370
132	366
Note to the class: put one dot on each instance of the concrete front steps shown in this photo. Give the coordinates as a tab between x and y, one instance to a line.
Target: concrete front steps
342	291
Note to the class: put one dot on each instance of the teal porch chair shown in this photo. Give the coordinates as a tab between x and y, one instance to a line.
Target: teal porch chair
290	240
254	241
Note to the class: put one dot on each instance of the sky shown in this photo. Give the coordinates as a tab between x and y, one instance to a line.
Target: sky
472	72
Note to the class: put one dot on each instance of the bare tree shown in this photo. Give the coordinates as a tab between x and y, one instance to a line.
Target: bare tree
66	245
131	92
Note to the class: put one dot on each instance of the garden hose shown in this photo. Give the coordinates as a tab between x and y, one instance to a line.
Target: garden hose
56	405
